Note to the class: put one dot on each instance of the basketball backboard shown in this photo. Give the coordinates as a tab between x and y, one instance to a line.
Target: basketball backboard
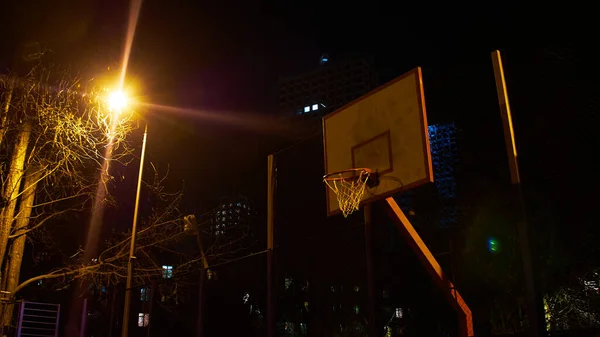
385	131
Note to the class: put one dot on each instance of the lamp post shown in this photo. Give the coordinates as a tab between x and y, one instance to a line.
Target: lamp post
127	305
117	102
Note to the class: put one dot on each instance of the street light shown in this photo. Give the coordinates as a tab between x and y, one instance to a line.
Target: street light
117	101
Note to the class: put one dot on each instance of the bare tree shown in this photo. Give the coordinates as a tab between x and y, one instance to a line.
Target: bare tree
58	140
57	144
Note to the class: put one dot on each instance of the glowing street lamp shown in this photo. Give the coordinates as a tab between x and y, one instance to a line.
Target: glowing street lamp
117	101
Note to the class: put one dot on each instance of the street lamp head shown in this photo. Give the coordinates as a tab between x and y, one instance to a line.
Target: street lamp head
117	101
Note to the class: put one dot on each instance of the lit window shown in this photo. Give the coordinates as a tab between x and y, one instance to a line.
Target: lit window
305	287
399	313
144	295
307	109
143	320
315	107
167	271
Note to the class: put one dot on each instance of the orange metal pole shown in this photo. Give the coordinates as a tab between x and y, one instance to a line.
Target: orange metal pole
434	269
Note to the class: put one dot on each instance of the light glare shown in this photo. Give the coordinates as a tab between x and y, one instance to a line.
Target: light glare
117	101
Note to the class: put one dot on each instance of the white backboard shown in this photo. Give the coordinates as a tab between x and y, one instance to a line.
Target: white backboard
385	131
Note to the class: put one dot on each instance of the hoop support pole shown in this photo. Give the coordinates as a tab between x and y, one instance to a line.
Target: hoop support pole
370	270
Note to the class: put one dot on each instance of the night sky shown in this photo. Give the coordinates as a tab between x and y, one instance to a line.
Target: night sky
220	60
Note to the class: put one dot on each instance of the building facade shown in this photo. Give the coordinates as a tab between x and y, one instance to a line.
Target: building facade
303	99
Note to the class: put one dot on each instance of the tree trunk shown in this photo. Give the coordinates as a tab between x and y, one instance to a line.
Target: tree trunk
18	246
4	114
12	188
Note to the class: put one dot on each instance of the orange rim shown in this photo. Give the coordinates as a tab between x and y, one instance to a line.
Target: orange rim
330	176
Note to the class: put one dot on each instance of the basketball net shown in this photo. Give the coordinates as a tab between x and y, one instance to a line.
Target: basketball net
348	189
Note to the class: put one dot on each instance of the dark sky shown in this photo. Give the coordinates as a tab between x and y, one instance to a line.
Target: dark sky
225	53
222	58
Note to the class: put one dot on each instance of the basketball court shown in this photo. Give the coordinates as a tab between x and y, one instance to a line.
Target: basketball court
374	149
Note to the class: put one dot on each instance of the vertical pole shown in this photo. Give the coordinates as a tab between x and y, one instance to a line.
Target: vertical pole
509	132
83	318
270	224
127	305
535	307
201	287
20	323
200	318
57	321
370	270
112	312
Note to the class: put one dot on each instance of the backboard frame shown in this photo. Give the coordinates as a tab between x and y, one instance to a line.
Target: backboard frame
428	166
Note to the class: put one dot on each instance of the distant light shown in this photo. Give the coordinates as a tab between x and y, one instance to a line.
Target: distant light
325	59
493	245
315	107
306	108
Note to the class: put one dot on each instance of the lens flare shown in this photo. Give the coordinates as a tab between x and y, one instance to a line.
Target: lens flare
117	101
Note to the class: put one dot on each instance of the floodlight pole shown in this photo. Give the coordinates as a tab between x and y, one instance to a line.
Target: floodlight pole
270	239
127	305
535	308
370	270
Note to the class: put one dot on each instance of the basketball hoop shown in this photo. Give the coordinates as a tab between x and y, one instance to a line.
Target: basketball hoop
349	187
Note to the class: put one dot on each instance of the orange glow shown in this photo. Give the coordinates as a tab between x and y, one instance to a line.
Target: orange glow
117	101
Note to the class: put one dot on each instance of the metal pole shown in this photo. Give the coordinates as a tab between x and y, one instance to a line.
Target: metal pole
535	308
83	318
57	322
270	239
203	271
112	312
370	269
127	305
20	324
